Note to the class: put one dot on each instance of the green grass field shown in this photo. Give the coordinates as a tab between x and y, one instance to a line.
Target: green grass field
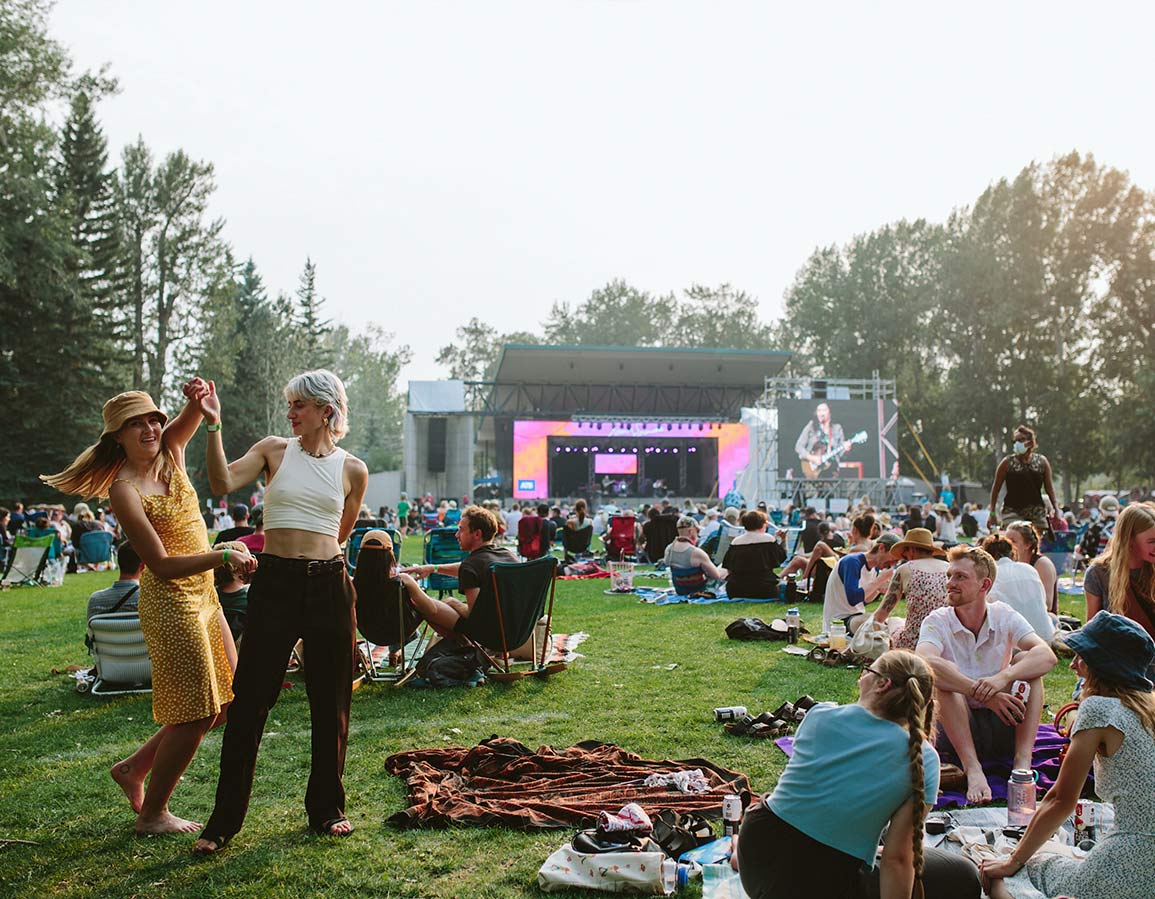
56	747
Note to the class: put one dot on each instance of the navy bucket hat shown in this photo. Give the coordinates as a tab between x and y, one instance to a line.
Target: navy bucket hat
1116	649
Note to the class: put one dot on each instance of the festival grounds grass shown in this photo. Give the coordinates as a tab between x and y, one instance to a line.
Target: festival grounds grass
648	681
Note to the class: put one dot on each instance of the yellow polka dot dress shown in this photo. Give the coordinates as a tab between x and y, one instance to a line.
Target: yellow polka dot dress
191	677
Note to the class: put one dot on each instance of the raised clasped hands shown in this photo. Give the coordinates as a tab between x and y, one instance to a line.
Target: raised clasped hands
245	560
204	394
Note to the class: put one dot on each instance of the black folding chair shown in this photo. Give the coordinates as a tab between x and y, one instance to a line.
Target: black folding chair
507	617
385	617
576	541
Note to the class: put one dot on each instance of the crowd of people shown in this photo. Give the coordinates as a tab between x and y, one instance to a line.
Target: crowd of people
961	682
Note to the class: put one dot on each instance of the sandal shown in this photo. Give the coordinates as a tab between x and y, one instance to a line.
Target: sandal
220	843
817	654
326	829
802	705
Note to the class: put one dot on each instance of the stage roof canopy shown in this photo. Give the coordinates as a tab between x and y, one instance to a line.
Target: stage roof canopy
641	366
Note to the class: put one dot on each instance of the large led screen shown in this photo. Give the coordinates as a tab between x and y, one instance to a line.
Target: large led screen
531	446
608	463
846	439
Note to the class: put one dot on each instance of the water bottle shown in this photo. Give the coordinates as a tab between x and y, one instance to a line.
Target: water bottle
792	588
669	875
793	624
1021	797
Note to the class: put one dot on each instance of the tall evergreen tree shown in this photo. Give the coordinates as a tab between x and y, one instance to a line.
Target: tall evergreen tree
314	328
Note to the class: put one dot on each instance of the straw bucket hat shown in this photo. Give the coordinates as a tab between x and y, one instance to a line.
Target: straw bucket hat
917	537
128	405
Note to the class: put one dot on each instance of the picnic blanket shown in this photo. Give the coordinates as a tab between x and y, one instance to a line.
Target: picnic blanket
503	782
1044	759
668	597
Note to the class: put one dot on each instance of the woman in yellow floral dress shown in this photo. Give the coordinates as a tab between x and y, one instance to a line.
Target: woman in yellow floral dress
139	464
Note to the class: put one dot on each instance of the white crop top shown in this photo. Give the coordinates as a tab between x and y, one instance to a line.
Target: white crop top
306	493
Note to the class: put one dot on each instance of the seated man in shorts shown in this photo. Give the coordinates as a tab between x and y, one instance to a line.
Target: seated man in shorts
475	535
978	649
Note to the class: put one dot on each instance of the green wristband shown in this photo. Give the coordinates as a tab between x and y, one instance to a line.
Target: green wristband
212	429
224	557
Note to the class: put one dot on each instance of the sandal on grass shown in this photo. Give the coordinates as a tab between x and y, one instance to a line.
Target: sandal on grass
219	844
326	829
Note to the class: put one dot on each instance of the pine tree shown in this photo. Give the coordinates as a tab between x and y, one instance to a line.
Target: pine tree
314	330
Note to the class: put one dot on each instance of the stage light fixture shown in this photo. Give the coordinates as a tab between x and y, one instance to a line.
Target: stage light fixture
669	427
585	449
675	451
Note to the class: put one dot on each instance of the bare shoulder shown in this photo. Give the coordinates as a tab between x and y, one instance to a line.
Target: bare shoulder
355	468
272	443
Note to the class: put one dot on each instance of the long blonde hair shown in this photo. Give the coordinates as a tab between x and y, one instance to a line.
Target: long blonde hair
1133	520
910	702
92	472
1141	702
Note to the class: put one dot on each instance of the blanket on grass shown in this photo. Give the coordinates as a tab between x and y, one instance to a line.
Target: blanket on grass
668	597
1044	759
503	782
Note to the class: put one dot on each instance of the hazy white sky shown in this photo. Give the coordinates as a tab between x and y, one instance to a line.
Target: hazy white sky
444	160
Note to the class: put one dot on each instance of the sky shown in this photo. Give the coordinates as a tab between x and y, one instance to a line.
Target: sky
440	161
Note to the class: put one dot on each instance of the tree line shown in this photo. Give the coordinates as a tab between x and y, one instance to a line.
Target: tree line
1034	304
115	277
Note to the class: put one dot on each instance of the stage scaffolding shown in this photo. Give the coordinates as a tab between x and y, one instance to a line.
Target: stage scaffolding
761	480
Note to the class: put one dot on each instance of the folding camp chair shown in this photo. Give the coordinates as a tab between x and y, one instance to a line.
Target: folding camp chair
452	518
27	560
659	533
508	617
119	654
385	618
576	541
688	581
530	537
94	548
620	544
353	545
430	521
441	548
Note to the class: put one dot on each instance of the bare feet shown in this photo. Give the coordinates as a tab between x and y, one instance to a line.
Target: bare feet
208	847
337	827
978	790
166	823
132	784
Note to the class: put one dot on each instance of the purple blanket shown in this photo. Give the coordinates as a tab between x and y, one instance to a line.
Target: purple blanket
1044	759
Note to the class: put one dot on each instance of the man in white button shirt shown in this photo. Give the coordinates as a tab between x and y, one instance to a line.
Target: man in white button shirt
971	646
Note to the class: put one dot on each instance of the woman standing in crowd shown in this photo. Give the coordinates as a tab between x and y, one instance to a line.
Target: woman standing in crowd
139	463
312	498
1024	537
1114	733
1122	580
1026	474
854	770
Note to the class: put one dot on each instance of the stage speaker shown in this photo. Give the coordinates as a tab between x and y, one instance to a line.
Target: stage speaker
818	389
435	455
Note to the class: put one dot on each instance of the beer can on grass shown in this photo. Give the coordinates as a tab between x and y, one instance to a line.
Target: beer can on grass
731	815
729	713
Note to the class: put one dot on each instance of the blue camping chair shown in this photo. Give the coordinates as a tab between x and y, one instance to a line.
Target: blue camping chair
441	548
688	581
452	518
94	548
353	545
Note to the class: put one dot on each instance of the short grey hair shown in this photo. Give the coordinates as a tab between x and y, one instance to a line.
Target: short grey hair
324	388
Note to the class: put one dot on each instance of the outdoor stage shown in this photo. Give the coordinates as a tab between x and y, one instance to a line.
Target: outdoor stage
626	425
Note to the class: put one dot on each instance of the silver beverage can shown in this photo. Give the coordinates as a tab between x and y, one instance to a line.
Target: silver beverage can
731	815
729	713
1020	689
1086	821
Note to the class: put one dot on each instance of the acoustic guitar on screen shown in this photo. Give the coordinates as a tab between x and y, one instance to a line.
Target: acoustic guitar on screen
827	466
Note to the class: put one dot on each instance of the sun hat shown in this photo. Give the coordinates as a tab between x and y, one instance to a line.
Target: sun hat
1116	649
941	507
917	537
128	405
1109	505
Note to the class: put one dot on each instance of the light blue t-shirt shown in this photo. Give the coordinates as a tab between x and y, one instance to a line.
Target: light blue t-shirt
849	773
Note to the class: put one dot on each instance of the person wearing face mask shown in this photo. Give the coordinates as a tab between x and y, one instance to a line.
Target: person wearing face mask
1026	475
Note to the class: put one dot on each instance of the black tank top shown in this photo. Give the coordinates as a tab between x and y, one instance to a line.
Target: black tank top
1024	481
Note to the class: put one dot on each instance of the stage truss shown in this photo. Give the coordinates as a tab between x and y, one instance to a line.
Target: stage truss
762	481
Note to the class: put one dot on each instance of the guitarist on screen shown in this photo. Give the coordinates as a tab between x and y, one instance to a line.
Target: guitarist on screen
820	445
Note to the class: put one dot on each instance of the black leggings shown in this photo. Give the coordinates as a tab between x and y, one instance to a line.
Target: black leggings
778	861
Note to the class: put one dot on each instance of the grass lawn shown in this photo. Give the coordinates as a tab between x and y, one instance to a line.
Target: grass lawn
56	747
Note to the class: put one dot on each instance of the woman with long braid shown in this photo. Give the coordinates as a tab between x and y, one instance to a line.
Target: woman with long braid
854	770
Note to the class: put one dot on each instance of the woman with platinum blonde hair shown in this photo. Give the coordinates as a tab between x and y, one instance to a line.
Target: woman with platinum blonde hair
139	463
301	591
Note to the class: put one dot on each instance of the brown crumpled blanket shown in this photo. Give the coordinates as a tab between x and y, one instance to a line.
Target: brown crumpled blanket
501	781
